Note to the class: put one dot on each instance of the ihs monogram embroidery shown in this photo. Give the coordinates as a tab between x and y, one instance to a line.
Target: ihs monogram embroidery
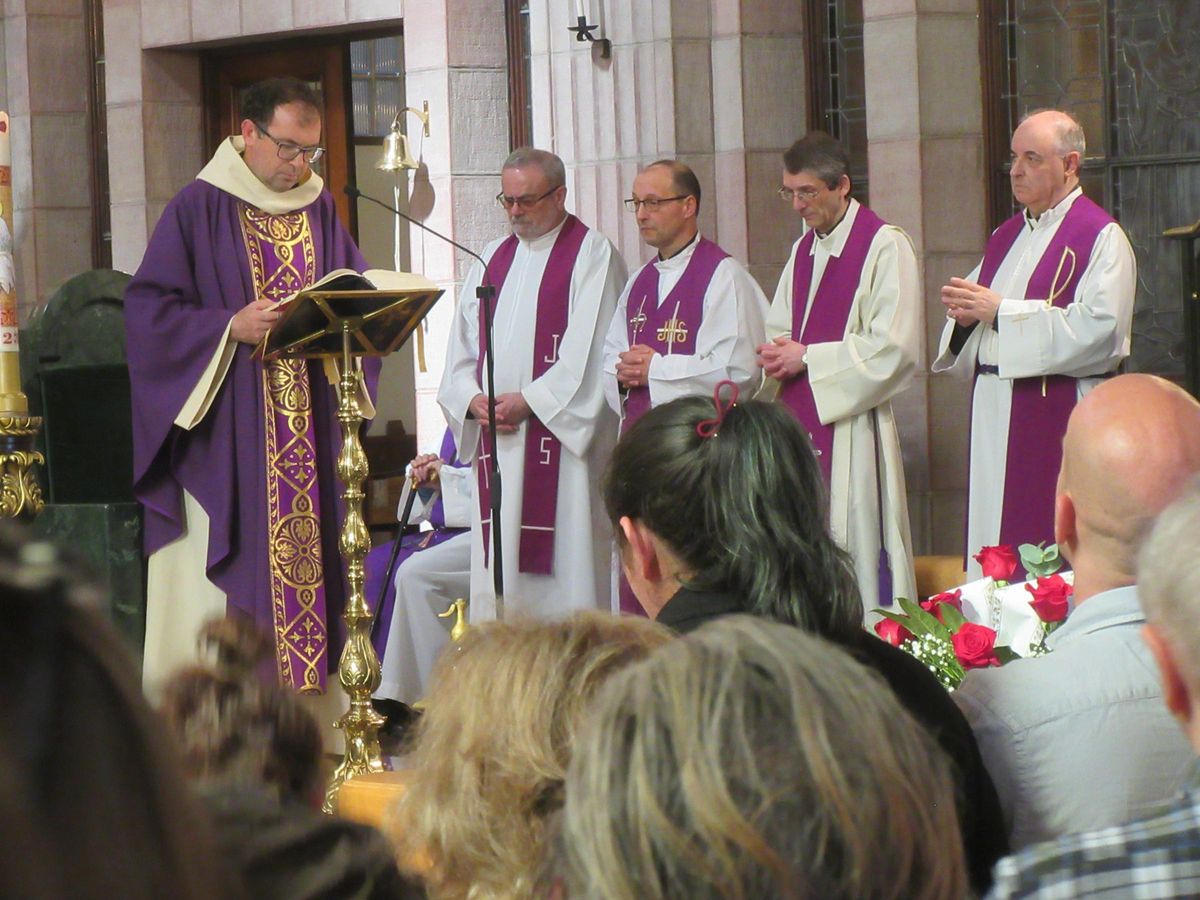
673	332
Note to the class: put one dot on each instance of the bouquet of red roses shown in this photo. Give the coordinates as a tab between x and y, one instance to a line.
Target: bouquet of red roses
937	632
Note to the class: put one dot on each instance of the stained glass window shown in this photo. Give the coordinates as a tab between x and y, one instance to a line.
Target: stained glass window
1127	70
838	99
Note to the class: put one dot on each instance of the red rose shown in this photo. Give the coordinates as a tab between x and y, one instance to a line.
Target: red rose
1050	598
950	598
892	632
998	563
975	646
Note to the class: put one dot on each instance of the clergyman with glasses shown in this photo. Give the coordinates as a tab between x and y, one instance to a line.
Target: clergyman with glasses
688	319
233	458
1043	319
557	282
844	327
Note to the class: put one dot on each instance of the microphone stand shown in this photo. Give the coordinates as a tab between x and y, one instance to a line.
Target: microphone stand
486	293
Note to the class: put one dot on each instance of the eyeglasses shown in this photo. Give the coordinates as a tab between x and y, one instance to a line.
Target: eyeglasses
524	202
808	195
287	151
633	204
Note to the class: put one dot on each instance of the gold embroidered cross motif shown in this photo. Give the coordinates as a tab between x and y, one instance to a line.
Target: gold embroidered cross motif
675	331
638	322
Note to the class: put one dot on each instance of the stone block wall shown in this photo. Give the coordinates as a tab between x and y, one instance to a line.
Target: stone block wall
925	127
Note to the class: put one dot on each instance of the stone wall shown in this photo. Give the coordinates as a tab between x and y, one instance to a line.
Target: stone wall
925	126
47	73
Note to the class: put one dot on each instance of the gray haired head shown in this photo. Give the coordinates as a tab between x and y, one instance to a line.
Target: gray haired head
820	154
1067	128
545	161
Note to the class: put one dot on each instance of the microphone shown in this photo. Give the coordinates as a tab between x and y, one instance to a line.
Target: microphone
352	191
487	296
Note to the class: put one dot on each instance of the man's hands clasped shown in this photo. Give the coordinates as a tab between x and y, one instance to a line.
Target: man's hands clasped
783	358
633	366
511	411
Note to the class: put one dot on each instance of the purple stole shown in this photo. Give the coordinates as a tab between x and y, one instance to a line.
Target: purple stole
668	327
827	320
282	261
1041	405
543	451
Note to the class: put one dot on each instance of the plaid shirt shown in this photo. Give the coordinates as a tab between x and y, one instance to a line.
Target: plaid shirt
1153	857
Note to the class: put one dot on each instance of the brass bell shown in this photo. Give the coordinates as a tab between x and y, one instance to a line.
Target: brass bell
396	155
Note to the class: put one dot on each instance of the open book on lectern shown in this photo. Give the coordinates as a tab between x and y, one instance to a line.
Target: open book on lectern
379	309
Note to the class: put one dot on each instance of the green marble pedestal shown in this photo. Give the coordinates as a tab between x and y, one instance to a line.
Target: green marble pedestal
109	537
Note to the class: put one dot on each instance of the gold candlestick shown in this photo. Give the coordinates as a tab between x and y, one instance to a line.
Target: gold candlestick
20	493
358	669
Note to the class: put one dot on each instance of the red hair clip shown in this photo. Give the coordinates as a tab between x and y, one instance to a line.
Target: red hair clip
709	427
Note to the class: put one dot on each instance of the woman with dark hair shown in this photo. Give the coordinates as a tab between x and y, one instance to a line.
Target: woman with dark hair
719	508
728	512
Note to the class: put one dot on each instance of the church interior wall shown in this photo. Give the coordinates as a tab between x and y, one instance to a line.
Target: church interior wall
454	57
46	77
926	161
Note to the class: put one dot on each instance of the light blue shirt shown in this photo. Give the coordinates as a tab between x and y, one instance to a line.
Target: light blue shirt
1080	738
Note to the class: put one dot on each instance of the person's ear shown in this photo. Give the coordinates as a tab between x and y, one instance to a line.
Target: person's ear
1065	528
1176	694
641	552
1071	163
249	130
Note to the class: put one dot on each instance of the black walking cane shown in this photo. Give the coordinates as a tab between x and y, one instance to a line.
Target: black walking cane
391	566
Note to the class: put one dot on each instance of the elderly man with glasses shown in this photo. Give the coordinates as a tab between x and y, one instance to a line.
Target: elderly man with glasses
557	282
1042	320
845	325
690	317
233	457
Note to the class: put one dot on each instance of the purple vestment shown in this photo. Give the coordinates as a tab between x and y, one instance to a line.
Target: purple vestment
195	276
668	327
827	320
1041	406
543	450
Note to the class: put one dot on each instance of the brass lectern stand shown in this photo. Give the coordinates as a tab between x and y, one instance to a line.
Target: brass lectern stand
342	325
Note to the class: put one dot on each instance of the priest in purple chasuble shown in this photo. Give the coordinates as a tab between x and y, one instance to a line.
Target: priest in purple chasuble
233	459
844	327
1039	322
688	319
557	283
